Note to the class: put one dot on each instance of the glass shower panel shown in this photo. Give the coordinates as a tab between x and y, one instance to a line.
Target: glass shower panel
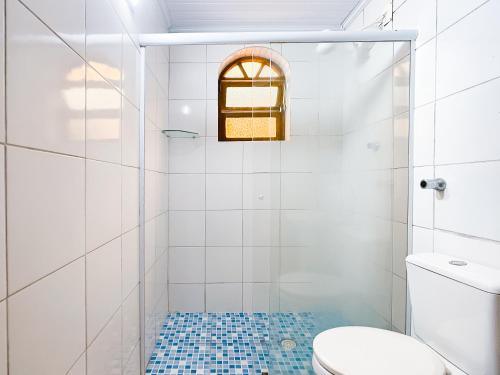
343	195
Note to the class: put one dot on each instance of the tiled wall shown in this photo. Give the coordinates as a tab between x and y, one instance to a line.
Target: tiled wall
233	204
456	123
260	226
156	194
70	155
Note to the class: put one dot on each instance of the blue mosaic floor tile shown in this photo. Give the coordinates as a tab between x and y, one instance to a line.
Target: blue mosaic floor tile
234	343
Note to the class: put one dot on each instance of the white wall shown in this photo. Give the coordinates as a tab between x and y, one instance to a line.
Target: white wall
456	123
69	273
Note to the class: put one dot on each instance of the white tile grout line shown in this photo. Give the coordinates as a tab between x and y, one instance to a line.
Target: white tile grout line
4	103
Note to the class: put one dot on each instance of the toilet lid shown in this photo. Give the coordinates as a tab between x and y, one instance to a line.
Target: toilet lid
364	350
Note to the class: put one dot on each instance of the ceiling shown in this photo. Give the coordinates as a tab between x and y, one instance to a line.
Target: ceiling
248	15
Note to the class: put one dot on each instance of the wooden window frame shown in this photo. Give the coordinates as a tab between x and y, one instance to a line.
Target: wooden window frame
278	111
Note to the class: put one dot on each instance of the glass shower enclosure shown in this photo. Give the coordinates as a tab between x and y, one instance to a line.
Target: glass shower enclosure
284	239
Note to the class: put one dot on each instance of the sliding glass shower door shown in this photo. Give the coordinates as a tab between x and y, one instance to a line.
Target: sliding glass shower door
342	225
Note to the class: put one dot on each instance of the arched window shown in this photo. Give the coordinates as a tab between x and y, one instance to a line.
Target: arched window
252	100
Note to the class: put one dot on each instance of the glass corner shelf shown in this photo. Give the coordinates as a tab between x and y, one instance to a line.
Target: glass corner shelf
176	133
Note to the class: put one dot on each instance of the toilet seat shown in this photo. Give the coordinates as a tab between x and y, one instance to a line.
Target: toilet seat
364	350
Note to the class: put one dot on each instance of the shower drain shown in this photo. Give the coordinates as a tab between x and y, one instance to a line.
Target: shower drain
288	344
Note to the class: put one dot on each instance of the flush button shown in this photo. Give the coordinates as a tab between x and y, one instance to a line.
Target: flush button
457	263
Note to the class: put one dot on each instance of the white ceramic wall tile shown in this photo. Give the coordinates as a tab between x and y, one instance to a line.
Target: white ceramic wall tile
2	67
224	191
188	81
186	297
467	206
400	139
186	265
103	201
399	303
260	264
130	324
261	227
399	248
304	117
224	264
80	367
423	138
212	118
103	119
188	54
219	53
400	195
297	228
187	115
213	80
103	286
300	52
133	365
261	191
425	70
423	199
224	228
261	157
3	338
305	80
473	249
467	125
480	51
298	264
68	22
55	335
130	70
130	134
224	297
46	221
56	123
187	191
224	157
187	228
186	155
450	11
423	240
130	261
104	356
130	198
298	191
256	297
298	154
417	15
104	40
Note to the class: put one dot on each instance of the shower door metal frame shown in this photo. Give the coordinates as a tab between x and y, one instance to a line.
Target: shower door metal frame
171	39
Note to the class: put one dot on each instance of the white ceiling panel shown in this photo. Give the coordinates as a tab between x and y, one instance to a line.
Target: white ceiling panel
247	15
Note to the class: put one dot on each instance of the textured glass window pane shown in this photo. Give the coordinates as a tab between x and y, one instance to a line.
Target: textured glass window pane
251	127
246	97
251	68
267	72
234	72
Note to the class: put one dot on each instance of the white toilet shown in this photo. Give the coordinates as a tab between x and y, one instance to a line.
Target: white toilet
455	313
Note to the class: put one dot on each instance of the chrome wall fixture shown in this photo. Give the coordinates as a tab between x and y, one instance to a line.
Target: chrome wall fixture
437	184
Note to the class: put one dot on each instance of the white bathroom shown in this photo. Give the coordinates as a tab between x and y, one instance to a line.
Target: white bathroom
250	187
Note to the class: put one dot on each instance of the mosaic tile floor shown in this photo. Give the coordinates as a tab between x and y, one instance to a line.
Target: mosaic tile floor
234	343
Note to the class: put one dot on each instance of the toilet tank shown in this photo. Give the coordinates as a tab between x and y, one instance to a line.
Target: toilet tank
455	308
